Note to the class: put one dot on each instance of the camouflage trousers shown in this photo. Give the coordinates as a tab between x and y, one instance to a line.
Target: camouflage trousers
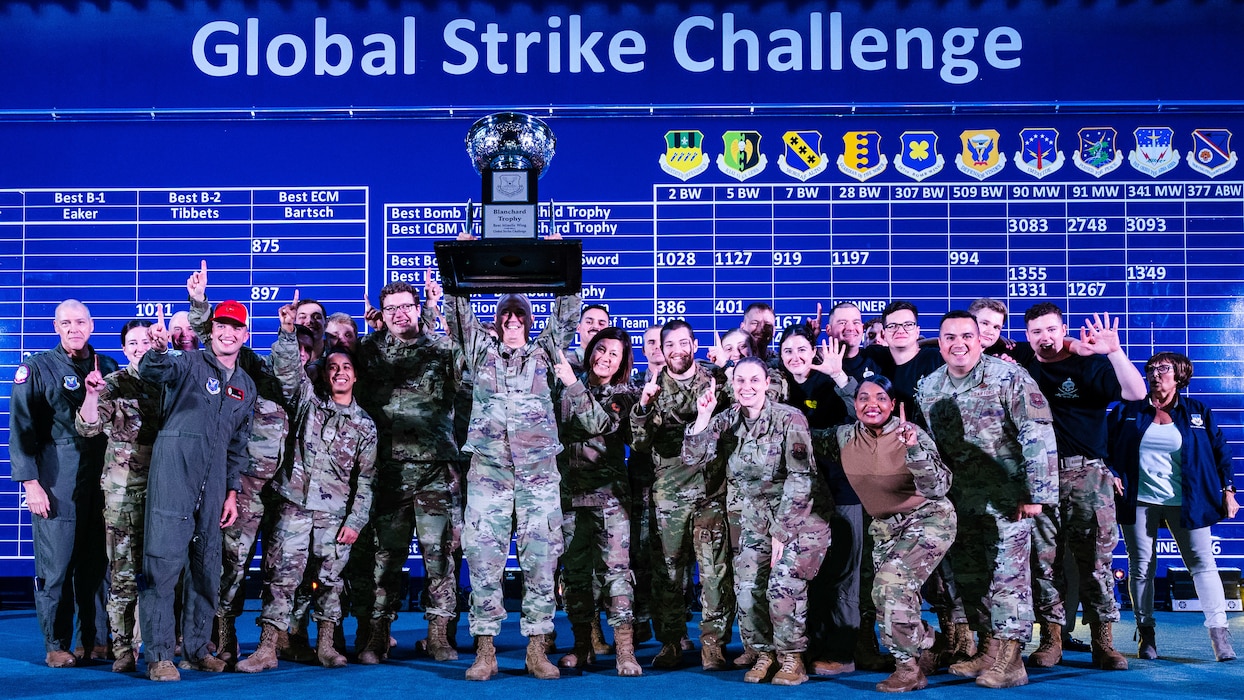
1083	525
942	594
123	518
990	561
598	540
257	506
304	547
773	595
907	549
686	529
421	500
504	499
642	545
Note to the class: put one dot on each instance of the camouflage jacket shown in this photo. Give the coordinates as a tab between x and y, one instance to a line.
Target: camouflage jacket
332	458
512	416
995	432
769	462
661	427
916	474
594	430
409	389
270	424
129	414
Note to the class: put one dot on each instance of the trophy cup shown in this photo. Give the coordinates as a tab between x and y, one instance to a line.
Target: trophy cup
511	152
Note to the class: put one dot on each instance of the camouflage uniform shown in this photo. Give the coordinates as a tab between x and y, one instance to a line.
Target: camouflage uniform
913	523
643	548
595	523
326	484
690	511
513	482
769	461
409	389
129	414
995	432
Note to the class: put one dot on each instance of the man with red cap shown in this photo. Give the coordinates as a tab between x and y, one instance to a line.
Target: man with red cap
192	488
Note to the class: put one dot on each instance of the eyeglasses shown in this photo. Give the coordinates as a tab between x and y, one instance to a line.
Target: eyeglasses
404	308
1160	370
906	325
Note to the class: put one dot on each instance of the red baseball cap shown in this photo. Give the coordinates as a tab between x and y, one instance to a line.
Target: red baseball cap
230	311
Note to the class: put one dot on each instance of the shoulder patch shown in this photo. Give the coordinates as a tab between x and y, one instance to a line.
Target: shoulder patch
799	451
1037	399
71	382
22	374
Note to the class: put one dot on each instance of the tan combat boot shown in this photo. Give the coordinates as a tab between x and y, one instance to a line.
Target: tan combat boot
264	658
907	676
207	664
712	655
599	646
227	639
746	659
1104	655
791	671
538	663
581	654
1007	670
763	669
439	647
325	650
485	665
981	660
377	647
963	643
1050	650
624	642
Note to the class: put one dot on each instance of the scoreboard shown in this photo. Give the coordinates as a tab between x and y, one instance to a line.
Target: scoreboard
695	190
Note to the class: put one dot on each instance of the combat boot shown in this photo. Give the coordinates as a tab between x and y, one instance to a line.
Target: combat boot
907	676
599	645
962	643
868	654
1148	646
125	663
264	657
1220	638
325	650
581	654
1104	655
712	655
981	660
206	664
377	647
485	664
1050	651
791	671
624	642
763	669
299	648
1007	670
670	656
643	631
439	647
227	639
746	659
538	663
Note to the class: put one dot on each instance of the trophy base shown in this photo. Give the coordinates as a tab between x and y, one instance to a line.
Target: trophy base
510	266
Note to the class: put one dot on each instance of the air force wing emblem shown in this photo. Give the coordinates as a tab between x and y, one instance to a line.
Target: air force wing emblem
1155	150
684	157
741	158
71	382
1098	154
802	158
918	158
1038	153
212	386
1211	152
861	155
981	156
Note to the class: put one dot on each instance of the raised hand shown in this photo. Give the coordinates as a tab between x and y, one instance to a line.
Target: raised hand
157	332
196	285
832	352
288	313
1099	335
372	315
432	291
707	402
906	432
815	324
716	354
651	389
95	381
565	373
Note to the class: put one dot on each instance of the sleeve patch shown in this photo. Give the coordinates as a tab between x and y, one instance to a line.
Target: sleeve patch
1037	399
799	451
23	373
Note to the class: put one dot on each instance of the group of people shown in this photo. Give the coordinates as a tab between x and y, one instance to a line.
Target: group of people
824	487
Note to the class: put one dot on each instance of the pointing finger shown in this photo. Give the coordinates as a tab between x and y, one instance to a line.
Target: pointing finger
203	267
97	362
295	302
160	315
902	413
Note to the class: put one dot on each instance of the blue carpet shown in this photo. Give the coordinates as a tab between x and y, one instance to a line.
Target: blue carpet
1186	670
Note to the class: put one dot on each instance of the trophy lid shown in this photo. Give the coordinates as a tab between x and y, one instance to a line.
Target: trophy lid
510	141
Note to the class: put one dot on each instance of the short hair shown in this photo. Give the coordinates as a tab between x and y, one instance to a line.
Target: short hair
1040	309
1181	363
397	288
303	302
589	307
612	333
990	304
895	307
71	304
882	381
339	349
131	325
843	305
757	306
799	329
673	325
342	317
958	313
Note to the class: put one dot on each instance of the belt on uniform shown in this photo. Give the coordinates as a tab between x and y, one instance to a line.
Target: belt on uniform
180	433
1079	461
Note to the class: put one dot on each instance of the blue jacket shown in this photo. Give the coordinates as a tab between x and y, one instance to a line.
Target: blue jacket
1205	459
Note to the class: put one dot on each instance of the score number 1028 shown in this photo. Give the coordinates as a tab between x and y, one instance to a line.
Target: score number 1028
725	258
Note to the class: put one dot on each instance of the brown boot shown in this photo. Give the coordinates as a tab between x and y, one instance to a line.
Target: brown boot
538	663
763	669
207	664
125	663
713	655
439	647
962	643
907	676
1104	655
264	658
746	659
299	648
485	664
670	656
1050	650
164	670
377	647
1007	670
325	650
981	660
599	645
868	654
226	639
624	642
791	671
581	654
830	667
